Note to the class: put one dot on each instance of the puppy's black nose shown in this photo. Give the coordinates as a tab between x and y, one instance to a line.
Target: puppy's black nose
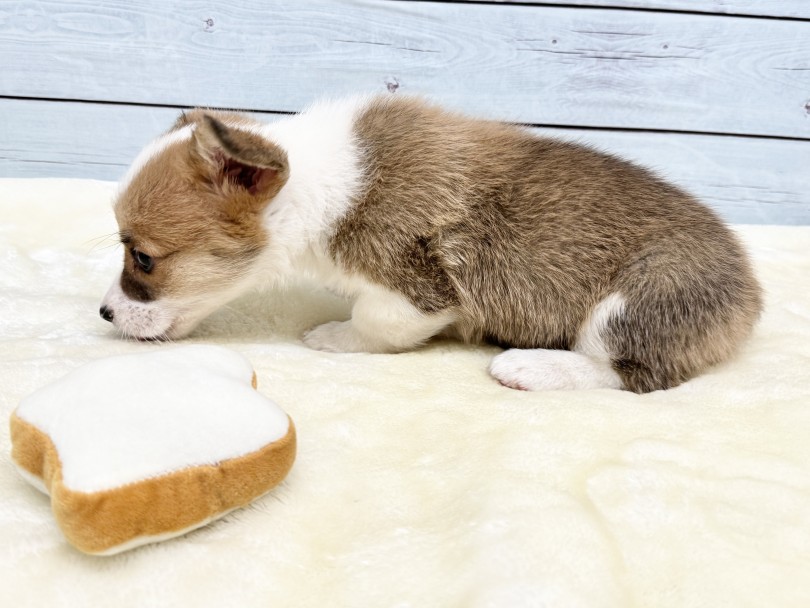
106	313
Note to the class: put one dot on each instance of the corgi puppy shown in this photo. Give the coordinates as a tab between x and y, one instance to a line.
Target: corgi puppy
591	271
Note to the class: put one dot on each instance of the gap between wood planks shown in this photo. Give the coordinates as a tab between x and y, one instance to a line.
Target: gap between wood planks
523	124
136	104
645	9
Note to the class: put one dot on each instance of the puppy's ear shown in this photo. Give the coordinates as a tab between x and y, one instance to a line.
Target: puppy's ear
240	159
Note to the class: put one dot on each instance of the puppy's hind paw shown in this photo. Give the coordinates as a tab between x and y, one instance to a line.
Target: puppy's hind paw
513	369
537	370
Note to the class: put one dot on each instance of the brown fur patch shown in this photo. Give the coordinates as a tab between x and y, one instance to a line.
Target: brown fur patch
134	288
522	236
187	210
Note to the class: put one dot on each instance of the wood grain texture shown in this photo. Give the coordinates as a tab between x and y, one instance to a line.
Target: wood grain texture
748	180
795	9
538	65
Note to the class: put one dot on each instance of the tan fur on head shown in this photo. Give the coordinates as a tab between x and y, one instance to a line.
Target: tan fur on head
195	207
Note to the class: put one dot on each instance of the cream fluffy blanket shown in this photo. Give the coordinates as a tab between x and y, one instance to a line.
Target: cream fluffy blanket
419	480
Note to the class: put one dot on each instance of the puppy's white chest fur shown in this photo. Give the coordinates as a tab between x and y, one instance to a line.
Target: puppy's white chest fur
326	174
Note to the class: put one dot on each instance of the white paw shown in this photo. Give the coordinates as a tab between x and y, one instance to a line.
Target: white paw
333	337
537	370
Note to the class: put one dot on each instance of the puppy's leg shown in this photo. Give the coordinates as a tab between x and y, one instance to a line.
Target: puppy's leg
588	366
382	322
667	320
681	316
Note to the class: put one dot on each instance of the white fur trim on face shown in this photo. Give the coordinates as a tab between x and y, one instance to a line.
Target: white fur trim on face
138	319
383	321
152	150
168	318
540	369
590	340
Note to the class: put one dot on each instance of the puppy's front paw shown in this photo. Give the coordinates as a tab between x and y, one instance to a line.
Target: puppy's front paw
335	337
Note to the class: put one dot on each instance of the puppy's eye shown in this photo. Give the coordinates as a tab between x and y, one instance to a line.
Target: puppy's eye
144	262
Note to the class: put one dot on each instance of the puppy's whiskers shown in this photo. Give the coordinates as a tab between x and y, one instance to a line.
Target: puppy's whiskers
98	241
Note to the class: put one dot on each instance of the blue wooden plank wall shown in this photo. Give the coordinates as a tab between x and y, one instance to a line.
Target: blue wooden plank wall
714	94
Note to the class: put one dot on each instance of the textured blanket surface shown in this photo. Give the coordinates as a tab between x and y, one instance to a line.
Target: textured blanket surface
419	480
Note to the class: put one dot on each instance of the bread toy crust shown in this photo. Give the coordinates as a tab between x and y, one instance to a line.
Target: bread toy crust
117	519
158	461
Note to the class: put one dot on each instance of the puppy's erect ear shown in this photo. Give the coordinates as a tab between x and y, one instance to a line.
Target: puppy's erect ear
238	158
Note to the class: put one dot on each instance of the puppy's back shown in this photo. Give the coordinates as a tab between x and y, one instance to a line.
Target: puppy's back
523	236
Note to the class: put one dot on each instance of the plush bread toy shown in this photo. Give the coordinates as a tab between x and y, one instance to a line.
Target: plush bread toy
139	448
